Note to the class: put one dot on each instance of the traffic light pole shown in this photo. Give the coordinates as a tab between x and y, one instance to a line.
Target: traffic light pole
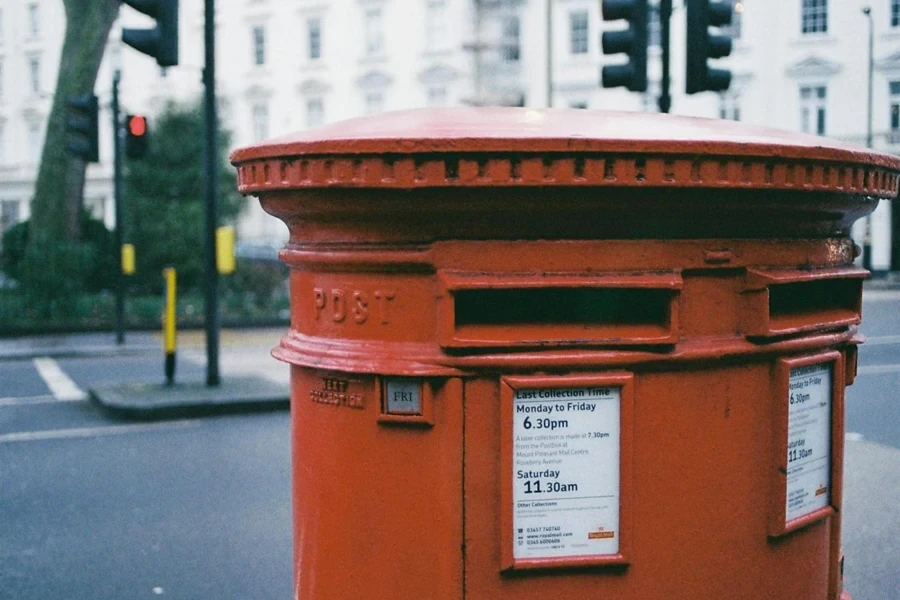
117	200
665	17
209	184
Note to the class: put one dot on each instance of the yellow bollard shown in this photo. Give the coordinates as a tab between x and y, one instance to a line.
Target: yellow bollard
128	259
225	250
169	321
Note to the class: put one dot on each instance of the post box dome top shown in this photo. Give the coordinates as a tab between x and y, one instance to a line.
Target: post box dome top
470	147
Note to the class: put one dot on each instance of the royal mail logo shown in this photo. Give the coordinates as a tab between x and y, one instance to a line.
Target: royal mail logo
336	393
601	535
821	490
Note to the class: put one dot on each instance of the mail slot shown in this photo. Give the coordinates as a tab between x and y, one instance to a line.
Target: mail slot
567	354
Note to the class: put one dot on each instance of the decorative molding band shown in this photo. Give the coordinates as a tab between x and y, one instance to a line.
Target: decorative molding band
583	169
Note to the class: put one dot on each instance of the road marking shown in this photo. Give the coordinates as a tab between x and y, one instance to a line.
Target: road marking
882	340
90	432
61	386
877	369
852	436
27	400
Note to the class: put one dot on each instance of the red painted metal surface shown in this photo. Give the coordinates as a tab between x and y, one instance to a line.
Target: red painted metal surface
441	260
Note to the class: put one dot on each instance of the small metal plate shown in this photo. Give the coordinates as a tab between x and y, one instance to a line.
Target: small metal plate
403	397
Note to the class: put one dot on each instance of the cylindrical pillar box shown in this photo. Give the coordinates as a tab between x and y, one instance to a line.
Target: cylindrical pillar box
567	354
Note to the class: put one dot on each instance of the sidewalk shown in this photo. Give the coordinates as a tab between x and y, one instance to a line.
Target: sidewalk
251	380
76	344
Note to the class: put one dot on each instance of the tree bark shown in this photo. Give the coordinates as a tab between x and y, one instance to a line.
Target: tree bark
59	190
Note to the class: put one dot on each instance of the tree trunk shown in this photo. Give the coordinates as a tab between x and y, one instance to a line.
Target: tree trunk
58	193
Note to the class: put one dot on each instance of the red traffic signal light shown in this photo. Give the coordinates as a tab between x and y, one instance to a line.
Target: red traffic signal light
136	130
137	125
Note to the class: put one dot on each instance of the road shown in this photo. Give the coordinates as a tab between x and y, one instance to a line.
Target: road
92	507
97	508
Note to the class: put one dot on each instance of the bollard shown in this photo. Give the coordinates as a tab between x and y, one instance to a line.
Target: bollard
170	322
567	354
128	260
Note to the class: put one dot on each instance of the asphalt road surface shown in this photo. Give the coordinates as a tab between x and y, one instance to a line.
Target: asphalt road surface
97	508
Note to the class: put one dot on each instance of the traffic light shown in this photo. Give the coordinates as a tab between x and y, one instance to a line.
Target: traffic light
161	42
136	136
632	41
703	45
82	125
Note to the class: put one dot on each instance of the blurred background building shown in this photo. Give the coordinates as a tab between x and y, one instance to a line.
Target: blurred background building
287	65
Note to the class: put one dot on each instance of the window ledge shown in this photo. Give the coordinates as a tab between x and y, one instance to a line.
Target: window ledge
442	53
375	59
313	65
807	39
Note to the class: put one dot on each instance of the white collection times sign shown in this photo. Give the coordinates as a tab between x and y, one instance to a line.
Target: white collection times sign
809	440
565	472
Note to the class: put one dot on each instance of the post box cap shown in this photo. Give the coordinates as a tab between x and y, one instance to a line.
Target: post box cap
487	147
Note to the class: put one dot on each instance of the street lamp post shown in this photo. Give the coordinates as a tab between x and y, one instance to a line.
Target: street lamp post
867	239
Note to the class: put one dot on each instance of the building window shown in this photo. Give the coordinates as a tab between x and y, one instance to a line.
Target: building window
314	34
894	135
260	114
34	72
812	109
315	112
9	214
374	103
34	22
578	32
374	33
436	25
729	107
895	13
34	141
511	43
814	17
437	95
259	45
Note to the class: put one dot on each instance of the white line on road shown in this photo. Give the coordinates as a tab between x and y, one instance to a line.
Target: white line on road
852	436
61	386
27	400
877	369
90	432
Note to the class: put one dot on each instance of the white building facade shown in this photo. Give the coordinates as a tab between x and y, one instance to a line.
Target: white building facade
286	65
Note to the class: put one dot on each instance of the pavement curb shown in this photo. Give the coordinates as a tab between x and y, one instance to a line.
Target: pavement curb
74	352
151	401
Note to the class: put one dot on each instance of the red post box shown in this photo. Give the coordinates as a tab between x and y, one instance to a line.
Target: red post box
567	354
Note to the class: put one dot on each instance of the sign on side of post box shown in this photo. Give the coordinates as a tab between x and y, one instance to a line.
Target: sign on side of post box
565	472
809	440
563	482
